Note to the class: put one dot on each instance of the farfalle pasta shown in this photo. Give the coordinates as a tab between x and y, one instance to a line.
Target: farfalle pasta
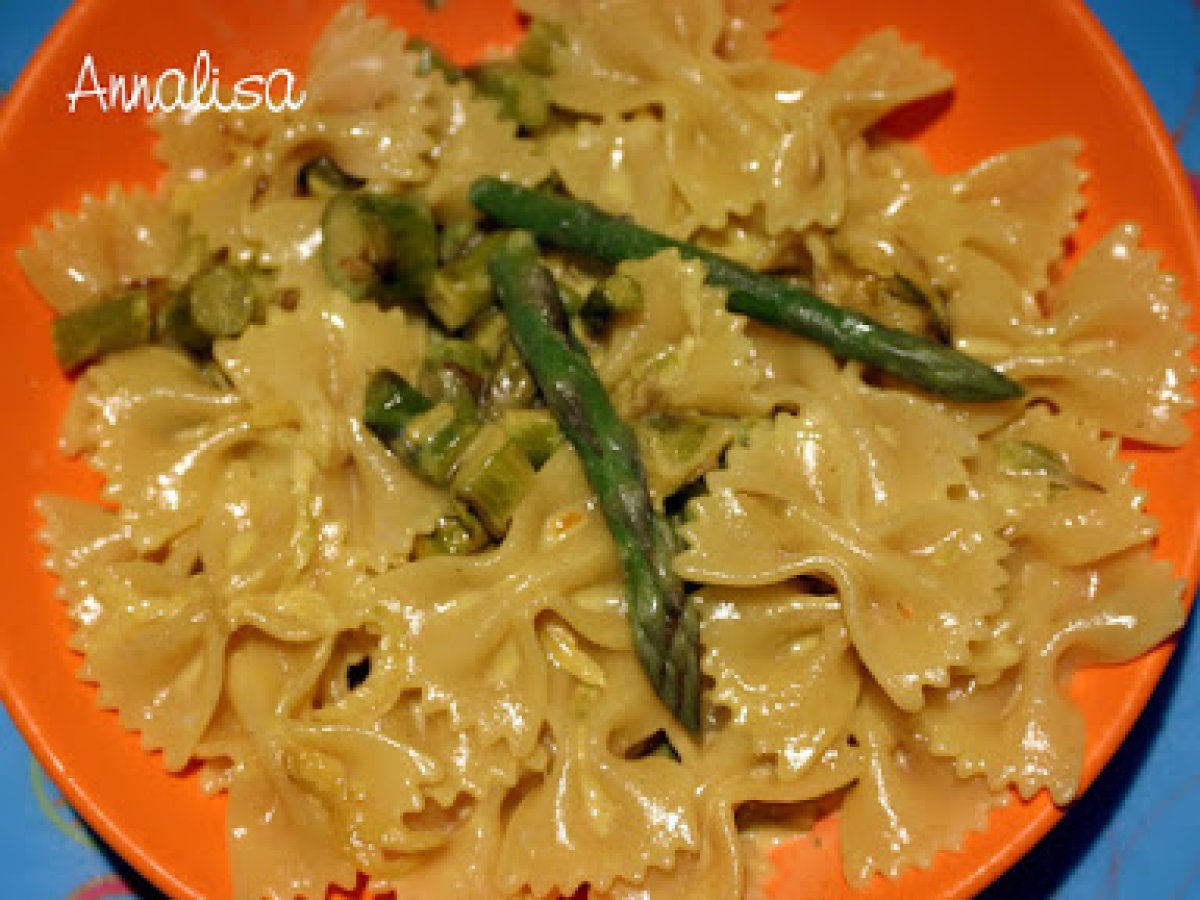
393	664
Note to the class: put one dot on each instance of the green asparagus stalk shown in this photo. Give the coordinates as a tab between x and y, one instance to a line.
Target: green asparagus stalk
460	290
580	227
665	629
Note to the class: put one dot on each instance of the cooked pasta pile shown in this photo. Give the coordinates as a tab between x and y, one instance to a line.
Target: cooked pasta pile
893	587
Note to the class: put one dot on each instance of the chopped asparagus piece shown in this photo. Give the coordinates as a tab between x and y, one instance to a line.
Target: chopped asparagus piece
222	301
678	449
511	385
391	403
455	535
493	475
174	324
461	289
458	354
454	370
489	332
435	440
535	431
379	246
458	236
618	293
105	327
1017	457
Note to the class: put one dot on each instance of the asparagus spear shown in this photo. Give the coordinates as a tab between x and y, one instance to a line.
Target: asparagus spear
578	226
665	629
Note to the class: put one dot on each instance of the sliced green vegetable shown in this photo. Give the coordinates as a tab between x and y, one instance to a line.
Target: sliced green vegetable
493	475
391	403
105	327
435	440
458	354
321	176
461	289
489	332
458	236
616	294
578	226
678	449
487	467
535	431
222	300
173	323
455	535
1018	457
455	370
379	246
519	94
665	629
511	385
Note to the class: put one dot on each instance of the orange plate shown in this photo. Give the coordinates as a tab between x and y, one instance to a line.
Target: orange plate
1026	71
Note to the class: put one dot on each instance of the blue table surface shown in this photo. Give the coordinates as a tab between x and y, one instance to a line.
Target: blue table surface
1132	835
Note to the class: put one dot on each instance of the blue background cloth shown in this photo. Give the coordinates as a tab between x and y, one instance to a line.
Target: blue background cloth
1134	835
